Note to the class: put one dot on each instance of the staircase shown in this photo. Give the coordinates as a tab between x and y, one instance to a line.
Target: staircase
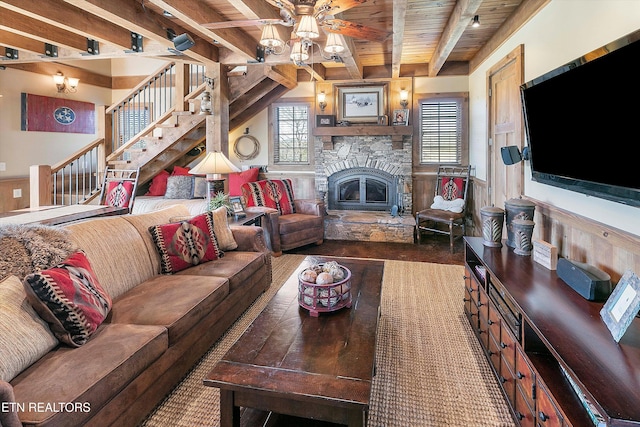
169	143
151	129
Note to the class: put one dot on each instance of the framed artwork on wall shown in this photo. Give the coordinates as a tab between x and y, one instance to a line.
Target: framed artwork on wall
362	103
47	114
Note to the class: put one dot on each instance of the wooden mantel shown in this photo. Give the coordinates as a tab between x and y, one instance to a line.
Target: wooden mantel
397	133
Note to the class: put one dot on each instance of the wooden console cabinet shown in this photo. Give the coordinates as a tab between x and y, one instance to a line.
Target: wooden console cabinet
548	345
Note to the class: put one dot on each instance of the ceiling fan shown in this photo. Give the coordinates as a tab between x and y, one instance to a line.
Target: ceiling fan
293	11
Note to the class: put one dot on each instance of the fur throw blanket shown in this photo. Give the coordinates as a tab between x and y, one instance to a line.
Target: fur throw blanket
25	249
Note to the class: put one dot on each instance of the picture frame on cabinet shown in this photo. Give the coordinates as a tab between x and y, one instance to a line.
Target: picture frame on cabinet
325	120
622	306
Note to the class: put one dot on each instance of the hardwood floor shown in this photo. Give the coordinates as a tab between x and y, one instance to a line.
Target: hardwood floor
434	248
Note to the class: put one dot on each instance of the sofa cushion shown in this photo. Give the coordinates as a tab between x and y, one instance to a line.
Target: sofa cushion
186	243
270	193
70	298
237	267
89	375
122	263
24	336
236	179
177	303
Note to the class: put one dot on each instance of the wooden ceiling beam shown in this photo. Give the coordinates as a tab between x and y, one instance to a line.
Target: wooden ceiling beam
60	14
351	60
193	13
286	75
399	16
459	21
51	68
46	33
132	16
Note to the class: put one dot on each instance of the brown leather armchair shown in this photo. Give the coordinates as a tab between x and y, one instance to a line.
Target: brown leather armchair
289	223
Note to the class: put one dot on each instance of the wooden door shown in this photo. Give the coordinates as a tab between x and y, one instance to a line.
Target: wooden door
505	127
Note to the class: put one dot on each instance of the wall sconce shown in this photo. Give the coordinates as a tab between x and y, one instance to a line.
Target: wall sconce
404	98
322	97
65	84
476	22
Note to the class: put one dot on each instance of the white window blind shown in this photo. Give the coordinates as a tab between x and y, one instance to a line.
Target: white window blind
440	132
292	134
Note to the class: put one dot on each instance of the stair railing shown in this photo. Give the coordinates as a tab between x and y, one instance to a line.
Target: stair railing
78	178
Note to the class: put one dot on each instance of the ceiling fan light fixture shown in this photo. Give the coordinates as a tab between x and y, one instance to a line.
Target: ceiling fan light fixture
476	22
270	37
308	27
299	52
334	44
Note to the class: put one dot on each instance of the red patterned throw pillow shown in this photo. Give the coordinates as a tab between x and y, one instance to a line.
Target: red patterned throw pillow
119	193
69	298
452	188
186	243
270	193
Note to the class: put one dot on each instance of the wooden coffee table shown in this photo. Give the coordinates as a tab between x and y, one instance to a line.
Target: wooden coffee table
289	362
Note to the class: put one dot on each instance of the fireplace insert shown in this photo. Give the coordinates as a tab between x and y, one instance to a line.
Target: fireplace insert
364	189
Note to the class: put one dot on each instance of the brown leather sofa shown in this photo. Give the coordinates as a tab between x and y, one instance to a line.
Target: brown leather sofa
302	225
158	328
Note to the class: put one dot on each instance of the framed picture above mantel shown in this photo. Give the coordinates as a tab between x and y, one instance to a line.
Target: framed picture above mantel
361	104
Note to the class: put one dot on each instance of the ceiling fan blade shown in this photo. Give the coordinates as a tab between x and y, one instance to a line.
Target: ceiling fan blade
242	23
358	31
331	7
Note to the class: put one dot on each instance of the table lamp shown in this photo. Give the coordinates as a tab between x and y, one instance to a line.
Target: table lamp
214	163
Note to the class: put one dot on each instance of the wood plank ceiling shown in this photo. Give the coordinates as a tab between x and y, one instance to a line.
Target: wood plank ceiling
425	37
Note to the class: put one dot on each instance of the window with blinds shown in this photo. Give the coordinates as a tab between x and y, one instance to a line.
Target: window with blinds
291	145
441	131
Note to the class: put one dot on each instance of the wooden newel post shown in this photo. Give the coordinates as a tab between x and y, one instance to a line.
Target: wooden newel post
40	187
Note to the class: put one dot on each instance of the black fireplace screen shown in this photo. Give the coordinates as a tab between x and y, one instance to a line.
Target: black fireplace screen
362	189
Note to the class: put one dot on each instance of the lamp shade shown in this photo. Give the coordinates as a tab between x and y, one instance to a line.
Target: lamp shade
334	44
214	163
270	37
299	52
308	27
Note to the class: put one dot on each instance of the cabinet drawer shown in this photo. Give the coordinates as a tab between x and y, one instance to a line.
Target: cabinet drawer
524	413
508	346
524	376
494	322
547	413
508	381
494	354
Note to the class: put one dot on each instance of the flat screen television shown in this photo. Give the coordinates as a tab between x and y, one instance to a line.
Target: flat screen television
582	123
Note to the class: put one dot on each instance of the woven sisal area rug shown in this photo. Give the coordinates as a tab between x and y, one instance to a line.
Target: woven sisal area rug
430	372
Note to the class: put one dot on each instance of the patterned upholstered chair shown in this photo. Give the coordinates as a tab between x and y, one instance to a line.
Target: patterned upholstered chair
119	187
290	223
447	213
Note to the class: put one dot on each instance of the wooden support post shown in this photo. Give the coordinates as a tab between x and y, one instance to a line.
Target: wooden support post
40	189
217	138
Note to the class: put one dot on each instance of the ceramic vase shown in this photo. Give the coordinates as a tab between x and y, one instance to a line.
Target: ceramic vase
492	220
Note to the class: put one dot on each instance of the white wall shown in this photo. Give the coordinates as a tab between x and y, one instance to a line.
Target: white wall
564	30
20	149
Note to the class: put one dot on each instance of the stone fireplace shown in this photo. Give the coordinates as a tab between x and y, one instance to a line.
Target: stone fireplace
362	177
